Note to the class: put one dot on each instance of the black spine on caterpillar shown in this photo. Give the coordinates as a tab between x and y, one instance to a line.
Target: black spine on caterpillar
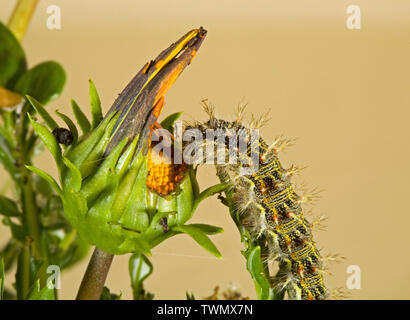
267	201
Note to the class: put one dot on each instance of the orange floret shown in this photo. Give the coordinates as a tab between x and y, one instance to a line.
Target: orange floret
163	175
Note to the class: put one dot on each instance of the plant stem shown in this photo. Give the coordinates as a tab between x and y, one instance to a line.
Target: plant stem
31	221
21	16
94	278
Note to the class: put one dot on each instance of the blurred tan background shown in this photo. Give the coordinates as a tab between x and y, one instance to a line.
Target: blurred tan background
344	93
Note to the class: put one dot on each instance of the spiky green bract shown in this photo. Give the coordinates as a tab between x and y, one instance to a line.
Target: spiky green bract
105	197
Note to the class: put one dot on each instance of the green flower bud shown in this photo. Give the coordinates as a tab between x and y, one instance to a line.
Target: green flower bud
103	174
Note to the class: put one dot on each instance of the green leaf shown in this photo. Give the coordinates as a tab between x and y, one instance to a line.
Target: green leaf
6	156
12	58
107	295
140	268
45	293
207	228
95	104
2	277
49	140
168	122
8	207
51	124
218	188
6	136
9	253
17	231
200	237
8	162
46	177
190	296
73	179
71	126
256	269
80	117
42	187
44	82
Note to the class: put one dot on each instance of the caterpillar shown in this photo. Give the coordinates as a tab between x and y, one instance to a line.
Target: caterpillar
270	207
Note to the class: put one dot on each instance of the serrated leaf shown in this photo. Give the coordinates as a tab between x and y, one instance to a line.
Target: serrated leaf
8	207
12	58
81	118
168	122
51	124
95	104
44	82
71	126
46	177
200	237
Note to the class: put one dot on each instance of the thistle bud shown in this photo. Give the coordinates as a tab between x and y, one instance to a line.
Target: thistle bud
113	192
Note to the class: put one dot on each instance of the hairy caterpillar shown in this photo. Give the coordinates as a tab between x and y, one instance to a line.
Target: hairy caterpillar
271	209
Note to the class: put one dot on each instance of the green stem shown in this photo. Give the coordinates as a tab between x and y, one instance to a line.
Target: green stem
25	275
21	16
30	211
94	278
31	221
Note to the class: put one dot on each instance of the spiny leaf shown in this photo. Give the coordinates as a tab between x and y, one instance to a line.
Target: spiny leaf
80	117
95	103
51	124
46	177
49	140
70	124
104	173
168	122
200	237
207	228
73	179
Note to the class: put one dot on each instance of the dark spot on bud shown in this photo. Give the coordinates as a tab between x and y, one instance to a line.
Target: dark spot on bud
164	223
63	136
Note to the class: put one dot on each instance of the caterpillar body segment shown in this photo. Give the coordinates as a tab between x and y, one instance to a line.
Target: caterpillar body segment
270	208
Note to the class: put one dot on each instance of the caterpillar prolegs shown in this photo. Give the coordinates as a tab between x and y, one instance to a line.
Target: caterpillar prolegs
270	208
